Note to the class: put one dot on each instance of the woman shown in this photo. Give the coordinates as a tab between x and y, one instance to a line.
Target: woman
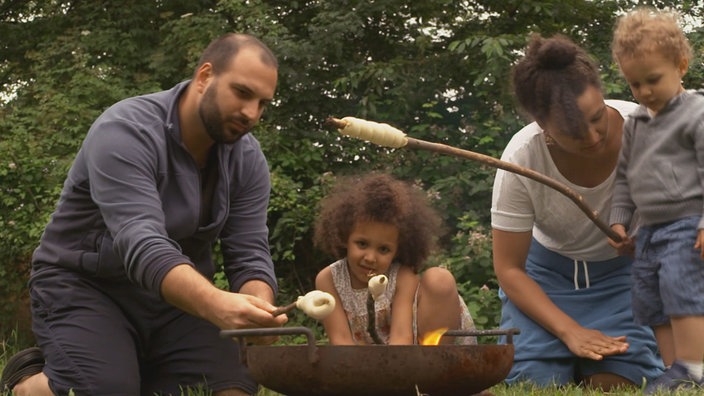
561	283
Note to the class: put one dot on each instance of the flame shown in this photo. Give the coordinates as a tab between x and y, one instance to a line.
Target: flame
433	337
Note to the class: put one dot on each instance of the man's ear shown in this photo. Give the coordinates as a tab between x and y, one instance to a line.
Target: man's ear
203	76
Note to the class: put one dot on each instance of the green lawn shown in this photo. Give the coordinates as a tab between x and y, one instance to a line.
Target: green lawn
8	349
504	390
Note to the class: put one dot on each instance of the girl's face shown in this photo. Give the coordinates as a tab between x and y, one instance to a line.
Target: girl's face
597	139
653	79
371	248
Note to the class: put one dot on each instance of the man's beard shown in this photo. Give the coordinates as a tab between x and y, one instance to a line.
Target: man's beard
212	119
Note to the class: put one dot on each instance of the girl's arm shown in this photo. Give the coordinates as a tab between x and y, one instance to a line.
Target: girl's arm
336	326
402	307
510	250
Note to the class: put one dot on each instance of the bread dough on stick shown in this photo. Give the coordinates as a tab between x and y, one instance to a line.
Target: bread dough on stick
377	285
316	304
380	134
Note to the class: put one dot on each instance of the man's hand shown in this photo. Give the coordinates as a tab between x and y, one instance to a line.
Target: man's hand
243	311
187	289
259	289
262	290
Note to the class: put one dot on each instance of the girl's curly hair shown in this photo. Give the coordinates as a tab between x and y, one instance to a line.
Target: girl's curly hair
380	198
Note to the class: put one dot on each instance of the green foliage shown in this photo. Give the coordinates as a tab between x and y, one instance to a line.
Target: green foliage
469	259
67	63
436	69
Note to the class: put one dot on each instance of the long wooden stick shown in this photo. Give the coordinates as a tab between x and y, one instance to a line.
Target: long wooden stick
497	163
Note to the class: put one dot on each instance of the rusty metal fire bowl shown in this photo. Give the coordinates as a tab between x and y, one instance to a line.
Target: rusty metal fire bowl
375	370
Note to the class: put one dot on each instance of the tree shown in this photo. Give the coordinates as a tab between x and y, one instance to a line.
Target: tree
437	70
62	64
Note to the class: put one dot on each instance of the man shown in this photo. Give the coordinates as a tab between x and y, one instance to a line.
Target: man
122	301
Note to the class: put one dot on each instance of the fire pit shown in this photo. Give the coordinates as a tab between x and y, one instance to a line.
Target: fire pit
388	370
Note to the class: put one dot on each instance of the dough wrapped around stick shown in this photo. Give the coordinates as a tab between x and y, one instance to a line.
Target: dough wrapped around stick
316	304
377	285
388	136
377	133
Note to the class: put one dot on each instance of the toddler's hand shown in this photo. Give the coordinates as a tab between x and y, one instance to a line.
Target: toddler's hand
700	242
626	247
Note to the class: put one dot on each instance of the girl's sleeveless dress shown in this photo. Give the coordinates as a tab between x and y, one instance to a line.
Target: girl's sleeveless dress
354	303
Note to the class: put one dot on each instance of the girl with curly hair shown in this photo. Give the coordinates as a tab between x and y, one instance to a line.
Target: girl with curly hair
380	225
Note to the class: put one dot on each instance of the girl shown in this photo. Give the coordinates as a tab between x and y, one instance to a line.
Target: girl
380	225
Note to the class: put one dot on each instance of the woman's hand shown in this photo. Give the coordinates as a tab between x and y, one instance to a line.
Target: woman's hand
593	344
510	252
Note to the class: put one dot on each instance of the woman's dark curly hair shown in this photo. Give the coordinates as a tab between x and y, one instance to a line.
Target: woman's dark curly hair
550	78
380	198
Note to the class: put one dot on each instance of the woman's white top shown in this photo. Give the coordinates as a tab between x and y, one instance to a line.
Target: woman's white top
520	204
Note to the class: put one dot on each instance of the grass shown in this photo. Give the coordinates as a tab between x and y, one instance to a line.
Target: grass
523	390
8	348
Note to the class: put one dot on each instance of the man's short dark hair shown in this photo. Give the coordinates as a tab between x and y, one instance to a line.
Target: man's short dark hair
220	51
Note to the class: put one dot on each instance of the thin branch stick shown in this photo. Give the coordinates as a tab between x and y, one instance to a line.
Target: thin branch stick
285	309
371	320
507	166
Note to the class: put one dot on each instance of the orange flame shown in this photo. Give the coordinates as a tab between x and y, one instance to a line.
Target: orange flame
433	337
